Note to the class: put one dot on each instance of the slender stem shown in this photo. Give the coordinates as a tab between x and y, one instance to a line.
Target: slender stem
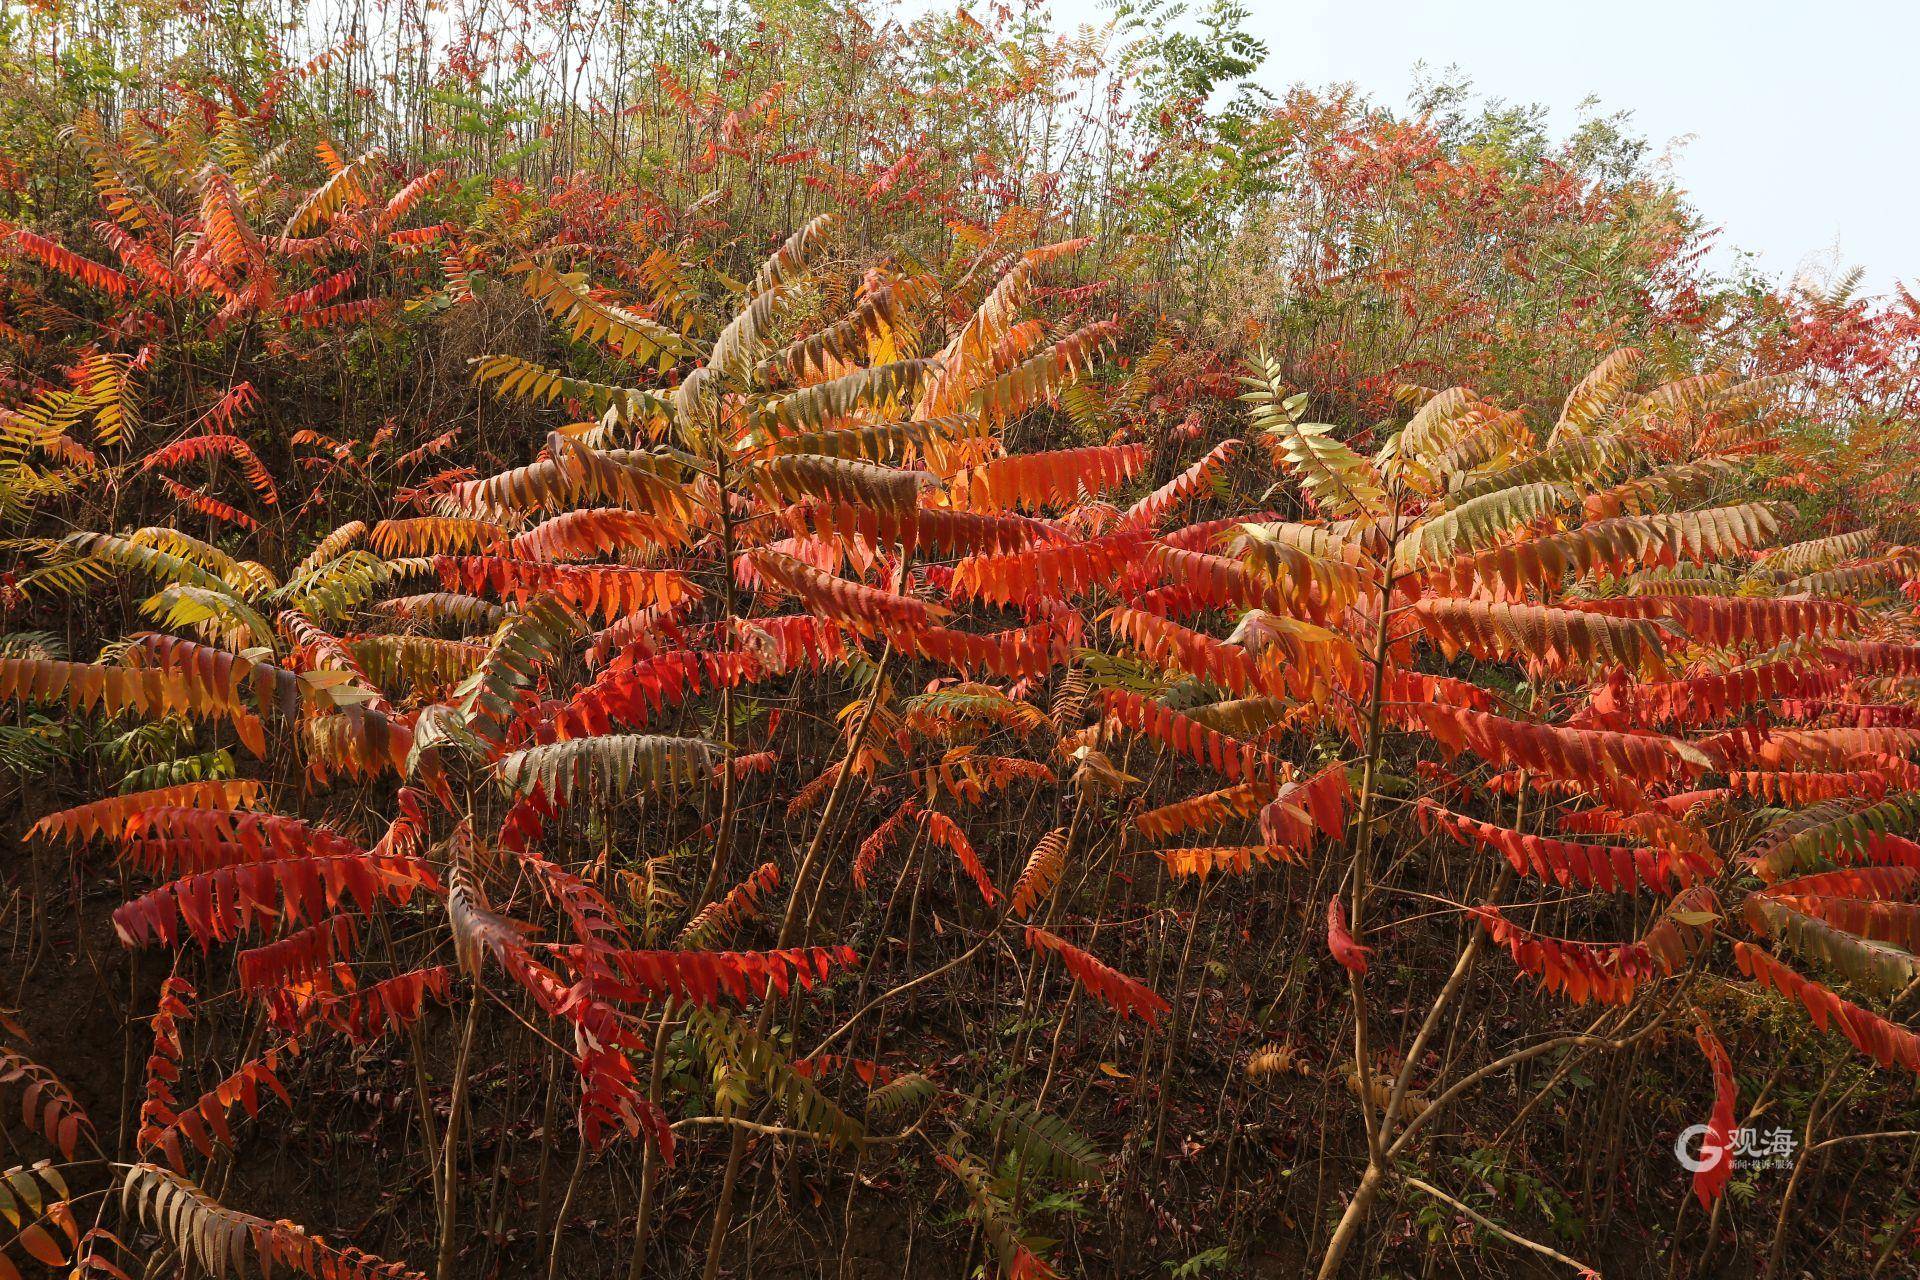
1499	1230
736	1150
566	1206
422	1096
1494	1068
1350	1221
1777	1250
450	1142
723	844
649	1159
1455	981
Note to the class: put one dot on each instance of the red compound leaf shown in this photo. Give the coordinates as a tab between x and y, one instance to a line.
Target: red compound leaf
1351	955
1207	812
1114	989
704	978
1716	1147
1036	480
218	905
1885	1043
1581	971
1609	868
611	591
1303	811
943	831
1225	755
1175	648
1053	572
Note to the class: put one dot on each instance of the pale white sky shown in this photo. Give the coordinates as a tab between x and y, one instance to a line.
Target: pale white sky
1795	126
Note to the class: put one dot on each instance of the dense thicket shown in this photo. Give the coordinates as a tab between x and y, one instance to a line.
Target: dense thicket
690	640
